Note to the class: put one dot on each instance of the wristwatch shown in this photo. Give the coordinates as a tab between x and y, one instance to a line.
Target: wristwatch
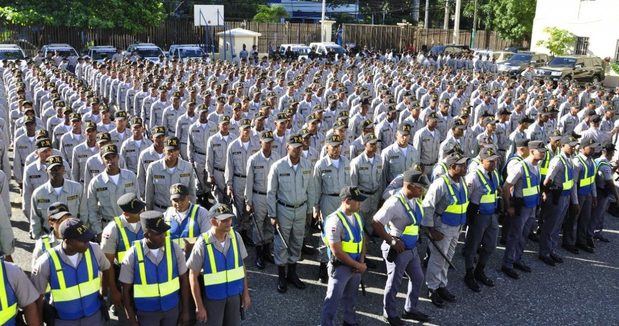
393	241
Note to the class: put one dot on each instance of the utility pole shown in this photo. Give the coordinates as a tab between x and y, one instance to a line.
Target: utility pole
415	13
474	25
426	23
446	17
457	22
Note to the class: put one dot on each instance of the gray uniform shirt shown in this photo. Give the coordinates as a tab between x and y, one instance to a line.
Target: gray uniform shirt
102	195
290	185
25	293
427	144
147	156
131	149
22	146
216	152
366	173
393	215
515	172
81	153
71	194
110	236
159	179
396	161
236	161
197	138
258	167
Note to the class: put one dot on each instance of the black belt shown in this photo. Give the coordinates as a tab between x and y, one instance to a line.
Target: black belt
240	175
162	207
220	170
201	153
291	206
367	192
428	164
259	192
332	195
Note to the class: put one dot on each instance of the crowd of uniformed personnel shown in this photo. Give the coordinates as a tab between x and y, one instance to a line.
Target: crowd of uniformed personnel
143	183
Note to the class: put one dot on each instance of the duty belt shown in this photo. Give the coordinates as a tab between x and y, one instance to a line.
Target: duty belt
240	175
367	192
201	153
332	195
220	170
162	207
259	192
428	164
291	206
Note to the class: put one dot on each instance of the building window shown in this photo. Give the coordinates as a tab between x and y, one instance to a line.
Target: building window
582	45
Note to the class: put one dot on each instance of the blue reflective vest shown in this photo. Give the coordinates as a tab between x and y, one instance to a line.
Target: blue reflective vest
125	238
155	287
223	274
75	291
187	229
530	186
587	176
8	300
489	200
455	213
415	215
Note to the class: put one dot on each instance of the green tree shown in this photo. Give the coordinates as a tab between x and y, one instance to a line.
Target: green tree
270	14
559	40
513	19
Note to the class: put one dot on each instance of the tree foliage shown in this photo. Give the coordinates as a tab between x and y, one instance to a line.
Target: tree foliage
512	19
558	41
270	14
133	16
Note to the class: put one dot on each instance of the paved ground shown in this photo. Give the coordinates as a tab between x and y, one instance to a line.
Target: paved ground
585	289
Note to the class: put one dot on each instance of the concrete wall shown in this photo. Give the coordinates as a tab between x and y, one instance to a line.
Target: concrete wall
596	19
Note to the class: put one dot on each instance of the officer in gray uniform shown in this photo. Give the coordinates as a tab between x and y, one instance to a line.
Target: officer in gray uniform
290	198
331	174
258	166
482	214
366	173
94	164
71	139
347	242
149	155
105	189
57	189
22	146
444	214
26	295
115	241
399	156
131	147
357	146
121	132
238	153
427	142
397	223
216	152
606	191
35	173
83	151
165	172
198	135
560	194
186	219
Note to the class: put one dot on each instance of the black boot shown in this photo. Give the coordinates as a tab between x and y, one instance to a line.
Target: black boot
480	276
323	275
259	257
266	254
469	280
282	284
294	278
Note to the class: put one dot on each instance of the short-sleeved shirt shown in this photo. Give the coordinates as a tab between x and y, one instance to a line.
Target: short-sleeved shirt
514	176
39	247
334	229
109	237
21	285
41	271
196	260
127	268
393	215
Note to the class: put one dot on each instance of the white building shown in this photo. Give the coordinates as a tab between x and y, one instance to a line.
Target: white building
595	23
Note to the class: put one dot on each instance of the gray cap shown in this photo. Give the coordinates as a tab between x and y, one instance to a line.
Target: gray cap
537	144
455	159
57	210
488	153
220	212
130	203
416	177
153	220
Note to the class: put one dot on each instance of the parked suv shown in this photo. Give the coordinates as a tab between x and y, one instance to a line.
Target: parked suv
519	61
579	68
448	49
11	52
148	51
65	50
101	52
185	51
300	51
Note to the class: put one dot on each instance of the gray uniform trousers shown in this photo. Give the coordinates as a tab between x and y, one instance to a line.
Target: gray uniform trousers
576	226
263	226
224	312
161	318
292	226
342	287
368	208
436	273
242	221
519	229
408	263
220	185
200	164
554	214
95	320
597	219
482	231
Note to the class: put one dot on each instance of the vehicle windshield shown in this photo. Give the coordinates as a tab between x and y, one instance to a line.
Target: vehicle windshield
301	50
520	58
562	62
190	52
102	54
336	49
11	55
148	52
64	52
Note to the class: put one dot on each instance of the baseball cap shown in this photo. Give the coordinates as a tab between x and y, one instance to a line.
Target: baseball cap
42	133
608	146
120	114
75	117
109	149
404	129
488	153
53	161
588	142
522	142
454	159
74	229
295	140
416	177
245	124
158	131
334	140
224	119
130	203
266	136
353	193
178	190
91	125
29	119
57	210
44	143
369	139
537	144
153	220
367	124
526	120
220	212
569	140
340	124
171	143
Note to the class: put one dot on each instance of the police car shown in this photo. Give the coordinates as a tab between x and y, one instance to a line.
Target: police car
186	51
11	52
148	51
101	52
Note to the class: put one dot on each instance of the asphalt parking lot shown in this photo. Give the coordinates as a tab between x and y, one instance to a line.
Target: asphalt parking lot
583	290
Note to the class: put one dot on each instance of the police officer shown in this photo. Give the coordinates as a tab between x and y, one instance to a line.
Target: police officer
75	262
35	173
216	152
560	193
397	223
119	235
426	143
366	173
399	156
56	214
606	190
346	241
83	151
238	153
258	166
163	173
71	139
17	290
521	192
290	198
219	250
56	189
482	213
149	155
106	188
94	164
575	228
7	238
198	135
186	219
22	146
153	275
134	144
